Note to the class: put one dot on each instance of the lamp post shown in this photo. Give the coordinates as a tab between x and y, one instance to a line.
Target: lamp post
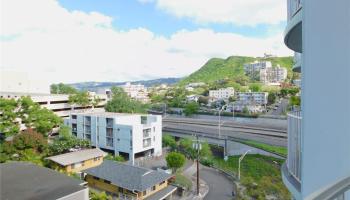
239	163
198	146
220	120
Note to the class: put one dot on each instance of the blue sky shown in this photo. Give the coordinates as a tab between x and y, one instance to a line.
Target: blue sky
131	14
126	40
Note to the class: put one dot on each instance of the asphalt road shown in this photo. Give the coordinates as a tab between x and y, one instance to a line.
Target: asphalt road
220	186
227	131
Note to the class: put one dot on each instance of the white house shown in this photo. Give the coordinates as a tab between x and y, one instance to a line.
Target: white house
138	92
129	135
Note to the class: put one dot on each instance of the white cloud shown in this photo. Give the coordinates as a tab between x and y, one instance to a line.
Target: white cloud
44	39
240	12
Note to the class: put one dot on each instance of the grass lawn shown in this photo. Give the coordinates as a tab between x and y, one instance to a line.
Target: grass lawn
260	175
274	149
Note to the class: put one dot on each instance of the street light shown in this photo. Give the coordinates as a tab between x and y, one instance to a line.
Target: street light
239	164
220	120
198	146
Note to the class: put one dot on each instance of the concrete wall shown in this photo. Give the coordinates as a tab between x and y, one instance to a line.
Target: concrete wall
325	68
80	195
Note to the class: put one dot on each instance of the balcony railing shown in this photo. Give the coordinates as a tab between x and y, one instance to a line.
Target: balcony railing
294	144
293	7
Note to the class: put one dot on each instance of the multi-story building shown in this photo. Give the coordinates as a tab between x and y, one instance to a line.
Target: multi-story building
129	182
23	180
58	103
246	98
253	69
129	135
273	75
138	92
77	161
223	93
318	163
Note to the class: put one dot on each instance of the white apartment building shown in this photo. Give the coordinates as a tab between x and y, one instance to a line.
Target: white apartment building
223	93
129	135
138	92
197	84
273	75
58	103
253	69
318	163
246	98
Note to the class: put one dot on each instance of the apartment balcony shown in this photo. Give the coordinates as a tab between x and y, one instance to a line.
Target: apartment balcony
292	33
297	62
291	170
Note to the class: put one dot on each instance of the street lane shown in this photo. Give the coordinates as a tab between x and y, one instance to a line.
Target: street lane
220	186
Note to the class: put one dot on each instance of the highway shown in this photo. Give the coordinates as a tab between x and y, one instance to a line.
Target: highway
272	135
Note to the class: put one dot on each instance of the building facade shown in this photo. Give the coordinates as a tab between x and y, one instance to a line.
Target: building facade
223	93
129	135
318	165
77	161
253	69
246	98
273	75
58	103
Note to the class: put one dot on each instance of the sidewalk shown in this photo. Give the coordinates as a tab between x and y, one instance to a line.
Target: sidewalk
203	187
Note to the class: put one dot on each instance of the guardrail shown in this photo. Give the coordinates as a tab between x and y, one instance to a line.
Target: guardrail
294	144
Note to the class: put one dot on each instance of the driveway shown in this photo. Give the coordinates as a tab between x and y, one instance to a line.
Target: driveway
220	186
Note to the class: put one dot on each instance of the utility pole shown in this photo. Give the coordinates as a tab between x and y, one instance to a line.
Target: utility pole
197	145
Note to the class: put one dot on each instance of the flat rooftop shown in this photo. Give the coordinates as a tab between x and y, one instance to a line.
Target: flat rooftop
97	113
22	180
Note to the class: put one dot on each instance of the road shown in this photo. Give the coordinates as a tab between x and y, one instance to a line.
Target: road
281	107
265	134
220	186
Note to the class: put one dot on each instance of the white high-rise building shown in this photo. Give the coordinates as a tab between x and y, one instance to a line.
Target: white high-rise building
273	75
246	98
318	162
253	69
130	135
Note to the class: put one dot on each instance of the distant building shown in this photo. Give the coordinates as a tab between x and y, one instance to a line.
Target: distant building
273	75
253	69
198	84
252	108
252	98
20	82
192	98
129	135
129	182
138	92
58	103
190	89
22	181
78	160
223	93
297	83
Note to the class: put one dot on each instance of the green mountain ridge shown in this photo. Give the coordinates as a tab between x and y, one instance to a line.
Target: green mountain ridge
231	68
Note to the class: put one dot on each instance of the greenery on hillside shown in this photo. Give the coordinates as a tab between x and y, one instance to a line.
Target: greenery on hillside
231	70
62	89
274	149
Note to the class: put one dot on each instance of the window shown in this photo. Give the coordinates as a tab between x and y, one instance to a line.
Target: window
154	129
144	193
109	142
153	188
96	178
120	190
74	117
108	182
97	158
162	183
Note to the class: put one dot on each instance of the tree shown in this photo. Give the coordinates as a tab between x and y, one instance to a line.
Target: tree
271	98
60	146
65	132
245	110
203	100
175	161
8	126
255	87
94	195
294	101
95	102
30	139
169	141
79	98
191	108
62	89
122	103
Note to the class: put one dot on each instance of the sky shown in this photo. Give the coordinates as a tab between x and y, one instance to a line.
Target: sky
125	40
